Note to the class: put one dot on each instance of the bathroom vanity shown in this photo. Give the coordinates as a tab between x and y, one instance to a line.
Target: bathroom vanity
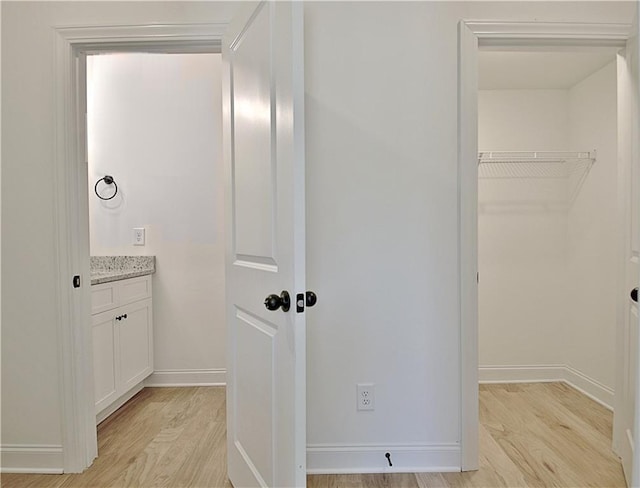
122	327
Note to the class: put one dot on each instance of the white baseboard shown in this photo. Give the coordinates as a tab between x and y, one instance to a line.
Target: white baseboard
590	387
548	373
188	377
29	458
521	374
370	458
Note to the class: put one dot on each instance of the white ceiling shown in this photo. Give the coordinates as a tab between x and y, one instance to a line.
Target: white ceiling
520	70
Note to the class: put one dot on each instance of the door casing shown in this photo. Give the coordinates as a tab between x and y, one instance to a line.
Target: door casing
511	35
75	358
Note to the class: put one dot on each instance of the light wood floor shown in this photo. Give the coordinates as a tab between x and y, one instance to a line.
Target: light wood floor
541	434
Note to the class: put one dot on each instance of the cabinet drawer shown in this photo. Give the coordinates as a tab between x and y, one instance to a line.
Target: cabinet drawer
134	289
104	297
107	296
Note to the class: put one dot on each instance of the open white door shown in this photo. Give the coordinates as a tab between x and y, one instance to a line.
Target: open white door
627	391
263	90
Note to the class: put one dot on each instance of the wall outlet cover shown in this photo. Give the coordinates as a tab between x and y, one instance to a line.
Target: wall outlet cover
366	399
138	236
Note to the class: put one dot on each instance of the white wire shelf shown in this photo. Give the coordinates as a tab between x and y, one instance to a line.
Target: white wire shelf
571	166
534	164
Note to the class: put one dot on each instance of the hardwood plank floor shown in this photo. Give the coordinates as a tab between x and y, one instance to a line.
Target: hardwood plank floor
531	435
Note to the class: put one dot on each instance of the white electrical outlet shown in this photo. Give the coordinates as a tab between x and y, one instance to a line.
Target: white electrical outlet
366	396
138	236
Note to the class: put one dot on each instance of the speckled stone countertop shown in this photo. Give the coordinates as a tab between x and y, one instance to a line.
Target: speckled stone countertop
113	268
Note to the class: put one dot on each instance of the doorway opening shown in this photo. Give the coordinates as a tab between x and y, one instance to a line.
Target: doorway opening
475	36
155	203
548	243
73	45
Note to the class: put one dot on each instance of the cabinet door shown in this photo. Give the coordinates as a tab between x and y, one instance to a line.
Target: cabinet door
105	372
134	289
136	343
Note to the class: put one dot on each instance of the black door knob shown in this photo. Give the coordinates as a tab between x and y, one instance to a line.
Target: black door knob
311	299
274	302
634	294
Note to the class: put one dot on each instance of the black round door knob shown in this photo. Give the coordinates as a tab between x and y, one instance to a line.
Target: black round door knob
634	294
311	299
274	302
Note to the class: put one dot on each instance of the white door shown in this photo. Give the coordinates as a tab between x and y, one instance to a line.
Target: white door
628	342
263	86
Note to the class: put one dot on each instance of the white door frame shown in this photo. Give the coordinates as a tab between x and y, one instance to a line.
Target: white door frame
75	358
472	34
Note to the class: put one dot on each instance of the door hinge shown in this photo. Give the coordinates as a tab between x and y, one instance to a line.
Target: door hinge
76	281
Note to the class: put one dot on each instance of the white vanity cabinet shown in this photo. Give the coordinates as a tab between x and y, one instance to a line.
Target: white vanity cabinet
122	340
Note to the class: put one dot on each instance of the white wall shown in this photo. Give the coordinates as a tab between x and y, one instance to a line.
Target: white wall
381	233
593	232
382	213
521	238
517	120
154	124
548	272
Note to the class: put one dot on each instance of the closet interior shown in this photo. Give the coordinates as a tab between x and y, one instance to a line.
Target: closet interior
547	218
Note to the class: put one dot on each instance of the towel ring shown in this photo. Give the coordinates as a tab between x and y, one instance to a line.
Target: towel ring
109	181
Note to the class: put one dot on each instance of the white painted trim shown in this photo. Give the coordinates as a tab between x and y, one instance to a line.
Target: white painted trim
75	355
522	373
370	458
71	208
472	35
468	257
31	458
187	377
590	387
547	373
545	31
164	38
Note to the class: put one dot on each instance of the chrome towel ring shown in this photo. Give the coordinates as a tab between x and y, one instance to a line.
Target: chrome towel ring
109	181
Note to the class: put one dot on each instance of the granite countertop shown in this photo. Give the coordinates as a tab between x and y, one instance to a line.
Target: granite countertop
113	268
